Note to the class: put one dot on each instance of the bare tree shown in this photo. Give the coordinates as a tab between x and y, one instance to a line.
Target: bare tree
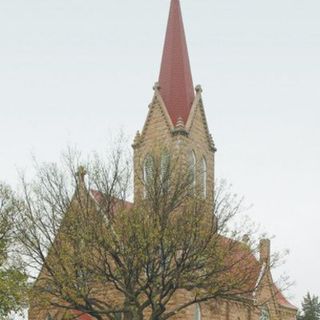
97	254
13	280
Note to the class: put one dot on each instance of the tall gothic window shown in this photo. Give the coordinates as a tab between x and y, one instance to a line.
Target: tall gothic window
118	316
148	167
165	170
197	314
203	177
192	164
264	314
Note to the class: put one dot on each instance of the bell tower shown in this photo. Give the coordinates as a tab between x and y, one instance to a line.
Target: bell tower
176	119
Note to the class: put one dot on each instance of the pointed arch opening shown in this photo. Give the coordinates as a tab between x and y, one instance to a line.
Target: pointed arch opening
165	170
203	177
148	168
192	165
264	314
197	314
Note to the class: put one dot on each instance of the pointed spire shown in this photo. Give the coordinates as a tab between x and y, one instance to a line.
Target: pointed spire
137	140
80	176
175	81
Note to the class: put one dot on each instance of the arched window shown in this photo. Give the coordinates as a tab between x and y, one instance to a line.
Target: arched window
165	170
165	164
148	167
264	314
197	314
203	177
118	316
192	162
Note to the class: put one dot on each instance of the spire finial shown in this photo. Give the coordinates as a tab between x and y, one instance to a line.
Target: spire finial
137	140
80	174
198	88
156	86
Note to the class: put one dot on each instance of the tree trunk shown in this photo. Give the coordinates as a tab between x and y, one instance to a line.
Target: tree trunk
133	314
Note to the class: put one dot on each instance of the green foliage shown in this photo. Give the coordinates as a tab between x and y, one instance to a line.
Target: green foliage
310	308
90	242
13	280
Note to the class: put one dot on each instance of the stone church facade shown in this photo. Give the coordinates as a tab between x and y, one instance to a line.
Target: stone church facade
176	120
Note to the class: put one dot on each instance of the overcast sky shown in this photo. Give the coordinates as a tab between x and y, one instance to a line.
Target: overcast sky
74	71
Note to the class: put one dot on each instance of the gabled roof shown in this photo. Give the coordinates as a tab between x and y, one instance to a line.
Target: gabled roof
282	300
175	80
116	203
242	267
245	263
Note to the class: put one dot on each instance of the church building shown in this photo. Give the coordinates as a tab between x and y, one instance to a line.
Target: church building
176	119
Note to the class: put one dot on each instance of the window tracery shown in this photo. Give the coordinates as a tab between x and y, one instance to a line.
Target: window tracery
264	314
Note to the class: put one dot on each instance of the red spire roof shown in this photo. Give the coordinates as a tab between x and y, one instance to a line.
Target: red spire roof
176	86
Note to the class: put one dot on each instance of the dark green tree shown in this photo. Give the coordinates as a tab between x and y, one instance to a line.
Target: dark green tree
13	280
310	308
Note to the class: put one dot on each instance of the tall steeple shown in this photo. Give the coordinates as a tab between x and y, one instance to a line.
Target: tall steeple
176	121
175	81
